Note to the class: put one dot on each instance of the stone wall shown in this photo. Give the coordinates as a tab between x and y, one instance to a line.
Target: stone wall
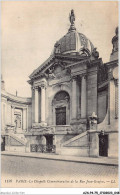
3	113
68	151
92	91
102	105
113	145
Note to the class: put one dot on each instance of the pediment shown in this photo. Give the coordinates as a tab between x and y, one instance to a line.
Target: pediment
55	70
40	69
50	67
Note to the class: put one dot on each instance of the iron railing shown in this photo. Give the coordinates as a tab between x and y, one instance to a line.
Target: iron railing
43	148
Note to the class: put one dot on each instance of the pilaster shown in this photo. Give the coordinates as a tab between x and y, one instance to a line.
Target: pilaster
43	104
25	119
74	97
83	96
36	105
12	119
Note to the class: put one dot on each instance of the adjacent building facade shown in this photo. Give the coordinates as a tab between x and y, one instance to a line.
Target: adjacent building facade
74	105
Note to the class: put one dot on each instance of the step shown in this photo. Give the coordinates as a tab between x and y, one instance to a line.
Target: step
74	138
17	138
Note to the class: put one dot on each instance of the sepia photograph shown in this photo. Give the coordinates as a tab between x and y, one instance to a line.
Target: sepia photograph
59	94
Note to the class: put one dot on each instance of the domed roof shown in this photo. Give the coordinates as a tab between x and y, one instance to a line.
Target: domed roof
74	42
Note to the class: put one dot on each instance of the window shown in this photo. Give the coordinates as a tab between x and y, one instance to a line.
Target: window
61	116
62	95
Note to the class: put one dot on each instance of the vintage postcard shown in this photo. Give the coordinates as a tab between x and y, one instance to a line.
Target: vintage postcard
59	94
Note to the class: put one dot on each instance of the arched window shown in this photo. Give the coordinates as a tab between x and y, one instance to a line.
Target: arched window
61	100
62	95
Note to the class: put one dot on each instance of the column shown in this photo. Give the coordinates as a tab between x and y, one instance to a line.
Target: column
36	105
9	113
24	118
111	102
83	97
12	119
74	98
116	98
3	116
33	104
43	103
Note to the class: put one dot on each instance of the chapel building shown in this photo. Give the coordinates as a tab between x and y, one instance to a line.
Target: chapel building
74	105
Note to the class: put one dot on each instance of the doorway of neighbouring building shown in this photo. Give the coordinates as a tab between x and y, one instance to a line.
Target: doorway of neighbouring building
103	145
3	144
61	116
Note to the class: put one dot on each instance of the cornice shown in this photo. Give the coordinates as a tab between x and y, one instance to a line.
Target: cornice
90	63
48	62
70	57
105	131
16	99
78	63
42	66
111	63
54	59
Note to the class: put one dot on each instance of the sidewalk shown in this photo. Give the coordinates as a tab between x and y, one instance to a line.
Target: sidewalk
100	160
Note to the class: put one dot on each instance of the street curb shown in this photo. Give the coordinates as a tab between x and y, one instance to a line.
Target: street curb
59	159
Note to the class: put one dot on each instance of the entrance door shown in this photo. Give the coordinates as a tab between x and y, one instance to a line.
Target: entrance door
2	143
103	145
61	116
49	143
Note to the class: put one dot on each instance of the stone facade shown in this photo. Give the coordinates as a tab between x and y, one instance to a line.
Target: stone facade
74	104
16	120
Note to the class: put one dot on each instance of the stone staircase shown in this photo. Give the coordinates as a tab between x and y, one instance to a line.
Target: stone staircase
82	138
77	146
19	139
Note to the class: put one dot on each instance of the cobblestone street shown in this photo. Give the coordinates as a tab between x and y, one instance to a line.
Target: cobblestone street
52	170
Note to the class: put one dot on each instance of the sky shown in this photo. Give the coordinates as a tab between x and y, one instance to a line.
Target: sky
31	28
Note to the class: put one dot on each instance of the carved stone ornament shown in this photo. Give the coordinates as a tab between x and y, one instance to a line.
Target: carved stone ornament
84	52
36	87
74	77
93	118
43	84
93	121
61	64
68	72
95	53
44	130
51	73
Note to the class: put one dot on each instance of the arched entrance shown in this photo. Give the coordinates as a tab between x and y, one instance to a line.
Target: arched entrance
61	108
